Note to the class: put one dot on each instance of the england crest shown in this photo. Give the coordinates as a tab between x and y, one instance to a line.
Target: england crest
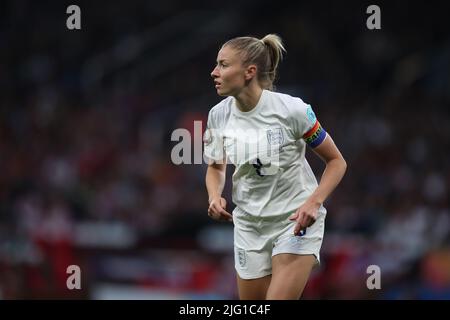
242	258
275	137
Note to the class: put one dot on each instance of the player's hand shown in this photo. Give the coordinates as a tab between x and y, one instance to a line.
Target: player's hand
217	210
305	216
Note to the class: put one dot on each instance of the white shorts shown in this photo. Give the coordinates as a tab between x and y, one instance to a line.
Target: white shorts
258	239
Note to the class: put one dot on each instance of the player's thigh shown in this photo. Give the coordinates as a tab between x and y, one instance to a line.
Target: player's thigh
290	273
253	289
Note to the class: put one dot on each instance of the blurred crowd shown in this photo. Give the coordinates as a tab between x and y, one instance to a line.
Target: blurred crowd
86	119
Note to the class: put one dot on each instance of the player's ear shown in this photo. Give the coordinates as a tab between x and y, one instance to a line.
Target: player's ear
250	72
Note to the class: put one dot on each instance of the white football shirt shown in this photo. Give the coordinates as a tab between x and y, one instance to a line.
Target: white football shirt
267	146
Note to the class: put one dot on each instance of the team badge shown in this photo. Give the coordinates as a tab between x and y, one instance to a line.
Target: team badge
242	258
275	137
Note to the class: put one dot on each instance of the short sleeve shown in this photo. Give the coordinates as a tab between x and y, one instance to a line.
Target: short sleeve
212	140
306	126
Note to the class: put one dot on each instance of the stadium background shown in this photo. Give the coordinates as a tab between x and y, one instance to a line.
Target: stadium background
86	118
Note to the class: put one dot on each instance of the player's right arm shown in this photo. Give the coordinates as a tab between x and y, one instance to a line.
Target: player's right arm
215	182
215	158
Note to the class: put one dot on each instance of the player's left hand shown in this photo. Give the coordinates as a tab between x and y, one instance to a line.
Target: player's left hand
305	216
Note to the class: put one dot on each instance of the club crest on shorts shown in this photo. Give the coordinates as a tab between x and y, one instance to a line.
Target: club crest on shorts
275	136
242	258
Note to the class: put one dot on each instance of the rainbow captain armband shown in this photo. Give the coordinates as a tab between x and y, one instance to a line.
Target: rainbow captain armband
315	136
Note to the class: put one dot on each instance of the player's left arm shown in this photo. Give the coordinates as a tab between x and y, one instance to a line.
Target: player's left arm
334	171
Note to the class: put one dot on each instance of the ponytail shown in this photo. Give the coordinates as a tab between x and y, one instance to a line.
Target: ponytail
275	49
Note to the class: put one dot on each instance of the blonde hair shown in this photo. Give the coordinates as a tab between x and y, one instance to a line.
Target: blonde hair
265	53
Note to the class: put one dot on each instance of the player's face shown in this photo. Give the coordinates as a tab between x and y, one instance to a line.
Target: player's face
229	73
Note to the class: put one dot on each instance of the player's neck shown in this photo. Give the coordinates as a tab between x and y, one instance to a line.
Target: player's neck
248	98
